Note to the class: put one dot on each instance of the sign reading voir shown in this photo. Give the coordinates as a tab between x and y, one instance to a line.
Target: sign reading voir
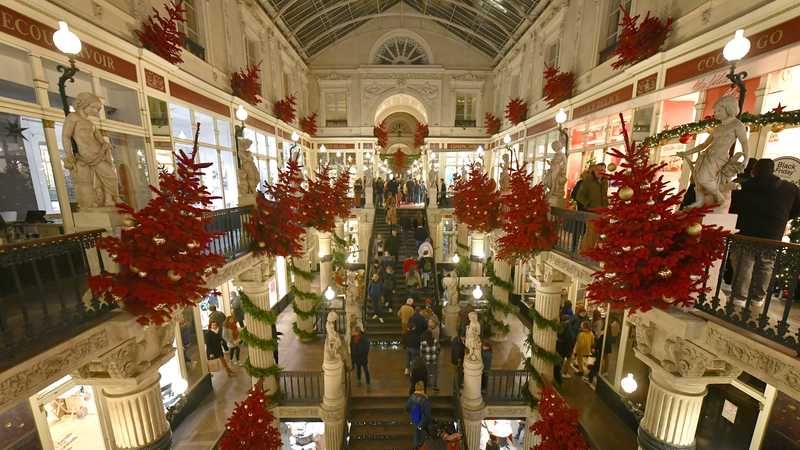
35	32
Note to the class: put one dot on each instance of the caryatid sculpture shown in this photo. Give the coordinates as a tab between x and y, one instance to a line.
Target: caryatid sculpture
555	178
715	168
473	338
248	177
92	168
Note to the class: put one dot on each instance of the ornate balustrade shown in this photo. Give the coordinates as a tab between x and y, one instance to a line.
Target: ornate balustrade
44	293
233	241
506	386
571	226
300	387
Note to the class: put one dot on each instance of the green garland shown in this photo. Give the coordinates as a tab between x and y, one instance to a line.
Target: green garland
305	295
496	325
497	281
539	352
303	335
252	340
269	317
462	268
541	322
495	304
257	372
306	275
791	118
461	246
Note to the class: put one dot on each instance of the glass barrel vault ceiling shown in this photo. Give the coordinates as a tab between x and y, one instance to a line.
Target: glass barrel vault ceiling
488	25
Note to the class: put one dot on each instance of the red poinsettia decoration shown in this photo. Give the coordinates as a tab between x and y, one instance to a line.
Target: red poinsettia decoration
246	84
309	124
651	253
557	426
323	201
420	134
491	123
399	161
382	133
276	224
163	257
516	110
160	34
557	85
285	109
341	187
251	425
526	225
639	42
476	201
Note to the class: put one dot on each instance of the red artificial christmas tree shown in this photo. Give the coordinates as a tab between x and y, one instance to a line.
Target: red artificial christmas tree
250	425
491	123
516	110
557	85
160	34
637	43
476	201
420	134
341	187
246	84
651	253
162	256
557	426
399	161
526	225
285	109
319	204
309	124
380	132
276	224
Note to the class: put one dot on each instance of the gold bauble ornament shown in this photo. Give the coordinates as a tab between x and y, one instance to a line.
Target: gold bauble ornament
694	229
159	240
669	300
193	244
262	244
665	272
129	222
174	276
626	193
611	167
142	274
777	127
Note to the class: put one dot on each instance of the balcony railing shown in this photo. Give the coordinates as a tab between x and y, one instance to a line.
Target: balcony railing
506	386
44	293
233	241
322	317
571	226
300	388
757	287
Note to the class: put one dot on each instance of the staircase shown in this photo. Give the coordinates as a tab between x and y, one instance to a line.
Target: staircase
387	334
382	423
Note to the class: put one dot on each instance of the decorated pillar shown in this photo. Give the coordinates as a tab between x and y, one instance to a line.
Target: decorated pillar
136	413
499	276
530	438
542	340
261	344
672	412
334	401
477	253
473	407
305	301
325	260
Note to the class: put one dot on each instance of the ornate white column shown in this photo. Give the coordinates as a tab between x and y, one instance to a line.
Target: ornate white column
530	438
546	305
136	413
502	270
472	427
304	301
477	251
254	285
672	412
334	402
325	256
473	408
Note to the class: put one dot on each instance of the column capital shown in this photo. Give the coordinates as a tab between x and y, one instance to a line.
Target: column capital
547	286
258	274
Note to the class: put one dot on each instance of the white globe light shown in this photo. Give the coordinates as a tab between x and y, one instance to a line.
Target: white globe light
329	293
241	113
66	41
295	136
456	259
737	47
629	384
507	139
561	116
480	151
477	293
179	386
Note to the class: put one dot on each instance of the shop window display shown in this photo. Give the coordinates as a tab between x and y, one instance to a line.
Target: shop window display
280	274
16	80
120	103
189	347
173	384
70	411
159	116
507	433
26	177
302	435
784	89
129	159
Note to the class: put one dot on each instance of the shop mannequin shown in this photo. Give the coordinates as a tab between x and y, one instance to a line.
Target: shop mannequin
92	169
714	169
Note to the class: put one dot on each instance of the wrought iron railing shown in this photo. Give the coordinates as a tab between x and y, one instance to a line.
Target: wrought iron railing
300	388
322	317
44	293
571	226
233	240
506	386
757	288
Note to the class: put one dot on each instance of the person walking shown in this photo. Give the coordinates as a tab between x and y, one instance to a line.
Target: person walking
413	280
236	307
393	243
404	313
411	341
429	349
375	294
418	407
486	357
388	288
358	192
359	353
378	193
564	347
230	332
419	373
442	193
216	316
391	212
592	195
583	347
215	349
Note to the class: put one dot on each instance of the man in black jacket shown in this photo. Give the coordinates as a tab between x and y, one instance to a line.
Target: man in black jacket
765	204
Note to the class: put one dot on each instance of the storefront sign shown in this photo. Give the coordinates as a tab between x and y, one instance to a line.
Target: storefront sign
618	96
461	146
788	168
540	127
368	145
263	126
647	84
763	42
154	81
190	96
339	146
35	32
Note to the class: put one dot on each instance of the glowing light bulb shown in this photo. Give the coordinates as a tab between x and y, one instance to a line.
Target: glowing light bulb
737	47
629	384
330	294
456	259
561	116
507	139
477	293
65	40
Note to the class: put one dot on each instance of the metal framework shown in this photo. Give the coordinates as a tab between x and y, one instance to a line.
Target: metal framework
488	25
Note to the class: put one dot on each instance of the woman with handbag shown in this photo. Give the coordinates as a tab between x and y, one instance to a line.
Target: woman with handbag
214	349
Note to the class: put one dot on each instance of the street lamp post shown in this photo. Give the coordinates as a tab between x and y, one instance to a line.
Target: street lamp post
68	43
734	51
238	131
561	117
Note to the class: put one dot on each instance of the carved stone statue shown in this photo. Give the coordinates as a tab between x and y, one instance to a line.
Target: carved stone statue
473	338
92	169
333	342
248	177
504	176
555	178
450	283
714	169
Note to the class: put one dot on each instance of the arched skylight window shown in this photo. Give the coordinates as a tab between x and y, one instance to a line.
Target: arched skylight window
401	50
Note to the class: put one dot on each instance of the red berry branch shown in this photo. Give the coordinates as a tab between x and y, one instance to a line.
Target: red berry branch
420	134
382	133
491	123
557	85
308	124
246	84
476	201
516	110
285	109
639	42
160	34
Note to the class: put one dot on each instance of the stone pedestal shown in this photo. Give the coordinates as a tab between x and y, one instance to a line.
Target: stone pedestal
472	427
91	219
672	412
136	413
471	398
325	255
451	311
333	407
547	303
254	284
